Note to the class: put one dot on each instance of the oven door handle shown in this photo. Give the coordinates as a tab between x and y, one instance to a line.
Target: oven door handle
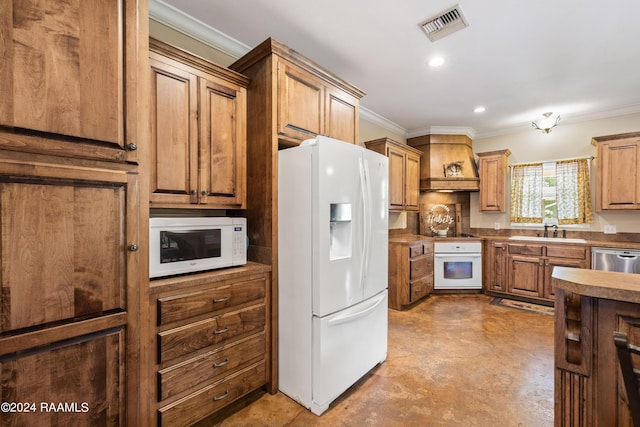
458	255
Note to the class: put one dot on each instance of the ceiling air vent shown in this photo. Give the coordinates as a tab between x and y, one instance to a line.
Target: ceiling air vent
444	23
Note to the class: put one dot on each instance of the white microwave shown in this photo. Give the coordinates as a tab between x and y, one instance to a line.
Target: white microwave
191	244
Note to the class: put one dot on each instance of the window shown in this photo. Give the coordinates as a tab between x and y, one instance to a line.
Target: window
551	192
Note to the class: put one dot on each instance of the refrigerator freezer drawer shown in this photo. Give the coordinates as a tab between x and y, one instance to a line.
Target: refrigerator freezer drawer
362	329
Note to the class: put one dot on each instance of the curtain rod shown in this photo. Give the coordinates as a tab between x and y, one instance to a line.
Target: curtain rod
552	161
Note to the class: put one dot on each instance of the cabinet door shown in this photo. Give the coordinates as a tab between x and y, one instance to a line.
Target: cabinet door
222	144
63	242
300	104
84	375
549	290
620	174
341	116
174	134
525	276
412	182
491	184
62	68
396	179
496	266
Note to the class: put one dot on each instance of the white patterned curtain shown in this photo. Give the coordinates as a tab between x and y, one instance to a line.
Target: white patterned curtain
526	193
573	194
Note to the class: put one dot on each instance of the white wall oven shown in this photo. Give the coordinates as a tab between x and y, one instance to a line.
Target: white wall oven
457	265
187	245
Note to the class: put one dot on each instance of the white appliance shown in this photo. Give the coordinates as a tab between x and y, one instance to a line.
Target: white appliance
332	268
181	245
457	265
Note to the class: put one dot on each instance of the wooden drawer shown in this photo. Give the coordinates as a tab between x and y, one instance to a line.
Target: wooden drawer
209	366
223	298
213	331
428	249
420	288
416	250
566	251
194	407
535	250
418	267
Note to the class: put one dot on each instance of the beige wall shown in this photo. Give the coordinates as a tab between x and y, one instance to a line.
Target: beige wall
567	140
370	131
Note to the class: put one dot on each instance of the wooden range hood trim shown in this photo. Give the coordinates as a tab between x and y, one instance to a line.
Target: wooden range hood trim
443	149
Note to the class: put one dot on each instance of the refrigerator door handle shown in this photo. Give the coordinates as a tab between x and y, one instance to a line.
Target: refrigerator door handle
374	303
366	224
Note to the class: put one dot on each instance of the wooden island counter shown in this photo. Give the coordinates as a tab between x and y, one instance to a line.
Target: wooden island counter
590	306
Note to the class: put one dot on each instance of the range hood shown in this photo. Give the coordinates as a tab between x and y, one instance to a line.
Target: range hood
447	163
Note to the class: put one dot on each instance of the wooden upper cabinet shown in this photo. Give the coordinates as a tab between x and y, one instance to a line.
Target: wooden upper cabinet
404	173
63	73
342	114
493	174
300	103
618	172
198	132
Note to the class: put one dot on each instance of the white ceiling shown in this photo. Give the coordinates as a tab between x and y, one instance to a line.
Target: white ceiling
578	58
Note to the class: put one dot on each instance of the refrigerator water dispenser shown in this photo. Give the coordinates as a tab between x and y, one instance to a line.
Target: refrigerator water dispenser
340	231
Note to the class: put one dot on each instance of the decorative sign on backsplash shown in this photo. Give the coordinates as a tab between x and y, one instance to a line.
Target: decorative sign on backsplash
439	219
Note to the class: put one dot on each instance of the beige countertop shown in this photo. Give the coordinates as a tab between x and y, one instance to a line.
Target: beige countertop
590	243
598	284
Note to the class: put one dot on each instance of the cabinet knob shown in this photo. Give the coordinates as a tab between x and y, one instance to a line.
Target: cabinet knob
132	146
204	192
194	192
133	247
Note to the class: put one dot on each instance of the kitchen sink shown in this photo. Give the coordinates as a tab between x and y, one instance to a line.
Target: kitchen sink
548	239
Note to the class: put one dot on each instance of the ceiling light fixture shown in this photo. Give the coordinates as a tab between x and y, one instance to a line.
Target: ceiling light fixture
479	110
436	61
547	123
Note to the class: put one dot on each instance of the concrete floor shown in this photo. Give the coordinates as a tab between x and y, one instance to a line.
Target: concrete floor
453	360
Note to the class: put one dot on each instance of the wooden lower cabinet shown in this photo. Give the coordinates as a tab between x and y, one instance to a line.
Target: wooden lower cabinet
525	269
212	342
74	382
410	269
495	266
68	251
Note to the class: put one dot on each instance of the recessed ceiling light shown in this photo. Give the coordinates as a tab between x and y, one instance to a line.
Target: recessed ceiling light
436	61
479	110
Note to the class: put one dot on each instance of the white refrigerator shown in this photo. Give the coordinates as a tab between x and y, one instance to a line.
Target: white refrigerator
332	268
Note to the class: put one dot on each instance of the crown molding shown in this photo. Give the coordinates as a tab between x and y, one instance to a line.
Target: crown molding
443	130
383	122
196	29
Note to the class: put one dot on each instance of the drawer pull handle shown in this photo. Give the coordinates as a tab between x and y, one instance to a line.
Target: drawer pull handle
222	396
223	299
220	331
219	364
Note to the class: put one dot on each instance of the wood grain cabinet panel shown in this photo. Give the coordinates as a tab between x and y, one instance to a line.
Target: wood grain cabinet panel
618	172
404	173
212	340
410	270
64	89
493	174
63	242
341	116
85	373
198	132
524	270
300	103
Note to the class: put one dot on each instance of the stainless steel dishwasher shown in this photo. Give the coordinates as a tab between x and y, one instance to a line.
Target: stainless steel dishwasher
610	259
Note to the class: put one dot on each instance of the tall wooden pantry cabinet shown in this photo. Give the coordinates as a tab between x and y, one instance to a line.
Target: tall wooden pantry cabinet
73	81
290	98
